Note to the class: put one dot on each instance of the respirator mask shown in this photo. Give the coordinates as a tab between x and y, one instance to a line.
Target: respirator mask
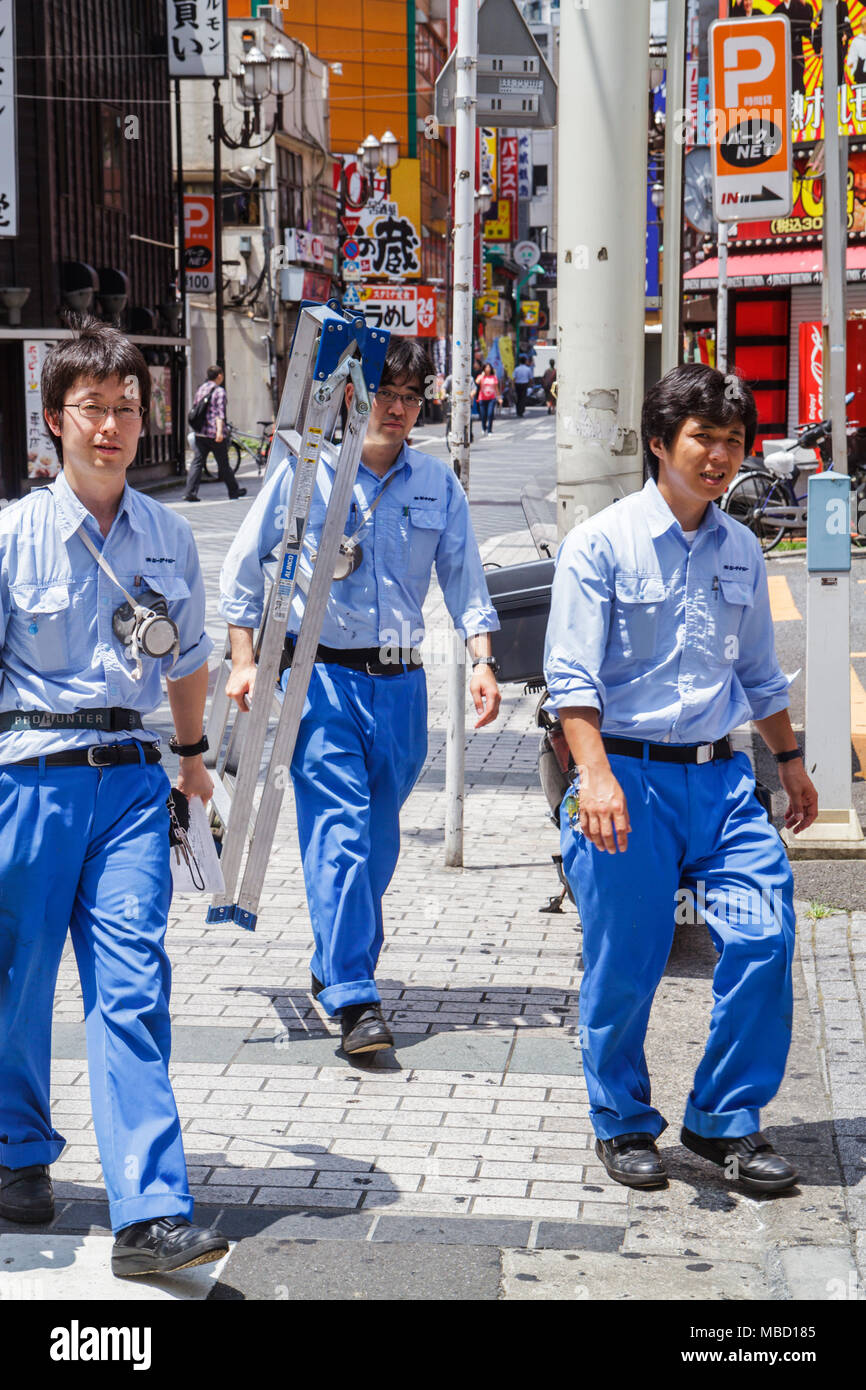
142	624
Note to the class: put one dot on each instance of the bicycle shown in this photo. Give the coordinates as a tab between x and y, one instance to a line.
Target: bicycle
241	444
769	504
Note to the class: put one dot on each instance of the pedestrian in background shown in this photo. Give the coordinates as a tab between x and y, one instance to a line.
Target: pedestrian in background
210	436
488	393
522	378
660	642
547	381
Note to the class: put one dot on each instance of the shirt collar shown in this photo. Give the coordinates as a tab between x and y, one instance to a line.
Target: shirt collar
71	511
661	518
403	460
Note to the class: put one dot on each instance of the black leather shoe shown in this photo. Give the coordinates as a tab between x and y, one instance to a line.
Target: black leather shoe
633	1160
364	1028
751	1160
26	1194
241	492
190	499
316	986
164	1245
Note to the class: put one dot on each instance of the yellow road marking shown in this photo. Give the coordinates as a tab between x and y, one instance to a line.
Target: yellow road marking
783	609
858	723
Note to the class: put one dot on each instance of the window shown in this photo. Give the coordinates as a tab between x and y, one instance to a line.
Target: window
240	207
111	156
539	180
290	188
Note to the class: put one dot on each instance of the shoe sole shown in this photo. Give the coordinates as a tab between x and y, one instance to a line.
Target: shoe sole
632	1179
367	1047
758	1184
120	1268
40	1217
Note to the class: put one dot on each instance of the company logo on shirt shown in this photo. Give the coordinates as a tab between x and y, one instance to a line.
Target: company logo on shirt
743	568
419	498
159	559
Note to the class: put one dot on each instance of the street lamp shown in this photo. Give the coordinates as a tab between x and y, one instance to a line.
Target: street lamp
256	77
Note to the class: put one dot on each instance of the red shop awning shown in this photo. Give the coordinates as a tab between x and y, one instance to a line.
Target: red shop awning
771	269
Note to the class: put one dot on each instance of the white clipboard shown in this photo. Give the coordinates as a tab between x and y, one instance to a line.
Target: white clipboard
205	875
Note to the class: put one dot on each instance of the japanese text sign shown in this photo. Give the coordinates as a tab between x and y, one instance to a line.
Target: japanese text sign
197	38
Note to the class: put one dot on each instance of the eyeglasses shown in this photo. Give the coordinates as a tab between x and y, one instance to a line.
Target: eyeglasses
387	397
125	414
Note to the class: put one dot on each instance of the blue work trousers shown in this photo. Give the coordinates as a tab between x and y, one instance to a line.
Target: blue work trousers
85	850
361	745
700	849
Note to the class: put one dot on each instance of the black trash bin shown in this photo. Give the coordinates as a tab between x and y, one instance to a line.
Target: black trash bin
521	596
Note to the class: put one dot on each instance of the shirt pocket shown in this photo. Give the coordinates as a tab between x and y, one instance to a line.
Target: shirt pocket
636	614
47	630
172	587
735	598
415	538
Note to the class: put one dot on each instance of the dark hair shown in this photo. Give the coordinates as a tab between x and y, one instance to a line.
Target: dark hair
698	390
97	351
406	361
213	373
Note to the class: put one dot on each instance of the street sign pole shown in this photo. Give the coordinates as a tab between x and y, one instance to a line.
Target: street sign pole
837	830
672	261
466	59
601	256
722	302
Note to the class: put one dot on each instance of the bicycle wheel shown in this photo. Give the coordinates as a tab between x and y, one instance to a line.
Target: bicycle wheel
746	501
235	456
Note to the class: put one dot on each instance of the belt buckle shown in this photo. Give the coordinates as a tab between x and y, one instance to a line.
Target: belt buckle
108	749
704	753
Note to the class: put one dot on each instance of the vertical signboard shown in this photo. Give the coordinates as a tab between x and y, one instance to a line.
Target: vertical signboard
508	176
197	38
198	242
8	141
42	460
750	96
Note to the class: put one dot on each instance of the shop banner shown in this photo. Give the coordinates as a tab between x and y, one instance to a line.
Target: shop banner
807	214
305	246
811	359
407	310
500	229
388	230
488	160
159	416
8	139
524	165
197	38
42	460
807	65
508	164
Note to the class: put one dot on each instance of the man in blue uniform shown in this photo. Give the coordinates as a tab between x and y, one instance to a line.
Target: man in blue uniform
363	735
660	643
83	817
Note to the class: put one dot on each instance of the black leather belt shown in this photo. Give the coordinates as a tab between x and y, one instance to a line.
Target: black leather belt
113	720
670	752
366	659
97	755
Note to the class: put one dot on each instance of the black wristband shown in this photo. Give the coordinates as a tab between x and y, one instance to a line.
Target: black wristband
789	756
188	750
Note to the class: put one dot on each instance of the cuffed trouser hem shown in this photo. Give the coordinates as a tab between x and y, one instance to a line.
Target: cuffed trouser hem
336	997
32	1151
149	1207
732	1125
609	1127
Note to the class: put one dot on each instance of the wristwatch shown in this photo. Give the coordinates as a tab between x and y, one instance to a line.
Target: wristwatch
486	661
789	756
188	750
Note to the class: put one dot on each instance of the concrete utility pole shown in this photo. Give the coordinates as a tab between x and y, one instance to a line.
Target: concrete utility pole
722	304
466	59
601	254
837	830
672	261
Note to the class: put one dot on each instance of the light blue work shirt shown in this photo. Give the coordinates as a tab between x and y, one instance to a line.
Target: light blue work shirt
522	374
58	650
421	520
671	643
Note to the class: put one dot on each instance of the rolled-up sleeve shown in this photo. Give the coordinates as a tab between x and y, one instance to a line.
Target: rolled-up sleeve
765	685
242	577
189	614
577	630
460	571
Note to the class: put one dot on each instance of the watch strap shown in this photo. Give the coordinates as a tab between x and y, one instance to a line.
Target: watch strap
788	756
188	750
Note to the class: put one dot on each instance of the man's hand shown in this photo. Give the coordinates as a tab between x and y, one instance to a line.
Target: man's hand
485	695
603	811
193	779
802	796
240	684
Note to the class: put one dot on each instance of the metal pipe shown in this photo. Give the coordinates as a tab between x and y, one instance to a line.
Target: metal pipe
672	291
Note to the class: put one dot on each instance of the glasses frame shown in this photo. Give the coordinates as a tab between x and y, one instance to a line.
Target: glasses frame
413	402
106	410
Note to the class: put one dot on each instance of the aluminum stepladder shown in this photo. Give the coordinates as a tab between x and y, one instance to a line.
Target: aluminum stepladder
329	349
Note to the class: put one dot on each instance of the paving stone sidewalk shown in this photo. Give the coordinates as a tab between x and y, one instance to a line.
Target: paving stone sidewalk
462	1166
